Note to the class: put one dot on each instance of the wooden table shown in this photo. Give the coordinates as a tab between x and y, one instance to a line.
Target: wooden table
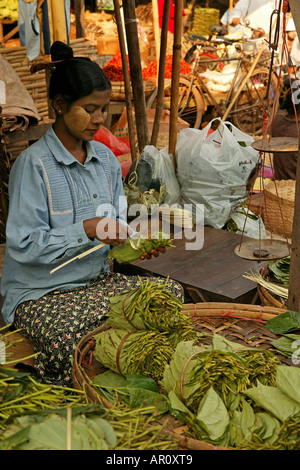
213	273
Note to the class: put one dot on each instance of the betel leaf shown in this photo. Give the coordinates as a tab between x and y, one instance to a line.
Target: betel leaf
212	415
288	345
51	434
284	322
266	426
223	344
110	384
142	397
140	381
178	408
247	418
275	401
288	380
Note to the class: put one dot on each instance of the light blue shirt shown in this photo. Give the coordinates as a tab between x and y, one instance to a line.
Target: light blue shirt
50	194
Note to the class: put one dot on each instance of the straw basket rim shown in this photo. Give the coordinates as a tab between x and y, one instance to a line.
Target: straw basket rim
285	187
267	298
81	380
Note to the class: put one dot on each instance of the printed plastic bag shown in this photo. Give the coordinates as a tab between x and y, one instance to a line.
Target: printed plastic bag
213	169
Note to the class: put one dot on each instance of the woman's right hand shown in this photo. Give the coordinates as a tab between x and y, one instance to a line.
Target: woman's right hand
107	230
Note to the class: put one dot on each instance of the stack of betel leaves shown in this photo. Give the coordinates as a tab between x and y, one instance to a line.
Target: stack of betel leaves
140	247
287	325
228	395
146	325
279	270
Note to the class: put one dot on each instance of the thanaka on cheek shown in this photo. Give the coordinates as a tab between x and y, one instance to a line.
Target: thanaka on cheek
77	119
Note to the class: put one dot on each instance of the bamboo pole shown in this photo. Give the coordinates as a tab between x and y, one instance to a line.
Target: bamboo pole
175	79
161	73
230	9
127	83
79	10
156	29
137	83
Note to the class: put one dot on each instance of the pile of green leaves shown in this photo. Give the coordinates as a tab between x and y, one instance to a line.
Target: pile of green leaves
144	326
284	324
226	366
138	352
151	306
248	406
21	393
279	270
135	390
136	247
92	428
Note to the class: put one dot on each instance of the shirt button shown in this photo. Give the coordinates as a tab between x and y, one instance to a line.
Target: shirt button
79	240
95	195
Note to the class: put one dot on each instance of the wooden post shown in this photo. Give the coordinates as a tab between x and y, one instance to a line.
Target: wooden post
173	128
137	83
79	10
161	73
156	29
230	9
294	282
294	295
127	83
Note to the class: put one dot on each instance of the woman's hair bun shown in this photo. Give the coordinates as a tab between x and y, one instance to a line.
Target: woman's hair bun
61	51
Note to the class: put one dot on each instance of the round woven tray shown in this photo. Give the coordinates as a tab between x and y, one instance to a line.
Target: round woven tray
242	323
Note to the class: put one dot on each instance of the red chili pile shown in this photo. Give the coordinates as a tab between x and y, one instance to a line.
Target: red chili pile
150	72
114	69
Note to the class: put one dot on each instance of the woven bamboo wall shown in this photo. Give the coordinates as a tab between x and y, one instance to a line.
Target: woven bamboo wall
36	83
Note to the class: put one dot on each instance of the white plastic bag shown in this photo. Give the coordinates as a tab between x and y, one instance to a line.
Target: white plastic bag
213	169
163	170
248	224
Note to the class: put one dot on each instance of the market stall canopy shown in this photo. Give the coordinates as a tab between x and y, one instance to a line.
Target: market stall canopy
41	22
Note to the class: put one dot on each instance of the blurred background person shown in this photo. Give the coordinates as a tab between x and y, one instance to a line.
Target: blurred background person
286	124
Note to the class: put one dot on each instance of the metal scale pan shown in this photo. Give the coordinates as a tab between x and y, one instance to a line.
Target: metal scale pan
268	249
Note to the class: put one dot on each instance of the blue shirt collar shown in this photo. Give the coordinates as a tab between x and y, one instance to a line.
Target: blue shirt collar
60	152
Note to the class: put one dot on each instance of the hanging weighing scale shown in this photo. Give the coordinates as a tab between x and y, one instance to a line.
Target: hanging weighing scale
268	249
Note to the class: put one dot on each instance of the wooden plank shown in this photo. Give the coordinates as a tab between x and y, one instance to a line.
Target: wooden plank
31	133
215	270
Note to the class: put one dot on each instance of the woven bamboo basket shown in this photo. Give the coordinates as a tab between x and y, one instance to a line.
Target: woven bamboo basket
118	90
279	206
267	298
242	323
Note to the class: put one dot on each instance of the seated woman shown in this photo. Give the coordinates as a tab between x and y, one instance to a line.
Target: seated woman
60	190
286	124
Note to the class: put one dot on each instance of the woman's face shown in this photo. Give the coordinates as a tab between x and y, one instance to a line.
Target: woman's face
87	114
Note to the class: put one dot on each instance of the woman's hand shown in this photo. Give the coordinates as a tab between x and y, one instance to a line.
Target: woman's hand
107	230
